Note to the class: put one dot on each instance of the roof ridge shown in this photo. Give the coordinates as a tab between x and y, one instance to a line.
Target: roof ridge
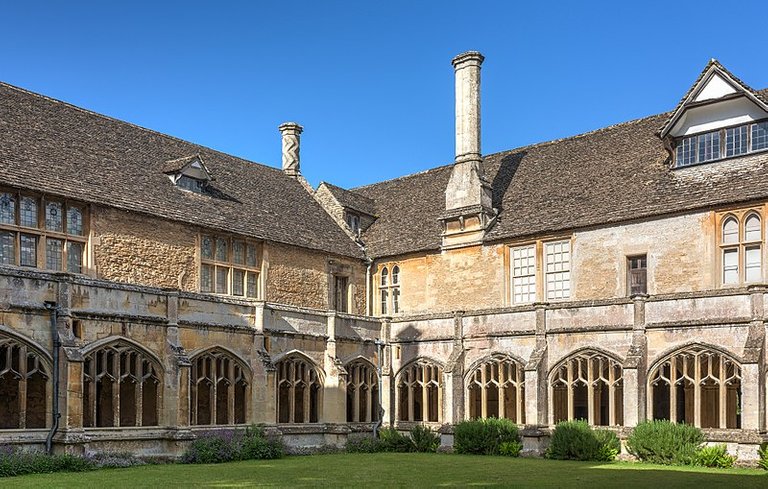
521	148
134	125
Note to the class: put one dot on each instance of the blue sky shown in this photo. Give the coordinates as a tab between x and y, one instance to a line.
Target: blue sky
371	82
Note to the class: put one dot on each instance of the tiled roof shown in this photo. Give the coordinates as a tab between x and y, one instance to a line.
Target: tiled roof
614	174
352	200
56	148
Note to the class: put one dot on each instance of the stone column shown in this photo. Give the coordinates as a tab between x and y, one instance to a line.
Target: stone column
291	138
334	397
537	388
177	370
753	387
387	392
453	388
635	367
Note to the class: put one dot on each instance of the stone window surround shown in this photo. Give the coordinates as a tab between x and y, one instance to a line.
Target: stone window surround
587	369
27	381
741	216
362	392
386	290
490	374
690	363
422	375
539	245
297	371
230	264
42	234
206	370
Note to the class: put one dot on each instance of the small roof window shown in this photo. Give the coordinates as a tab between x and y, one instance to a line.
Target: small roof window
189	173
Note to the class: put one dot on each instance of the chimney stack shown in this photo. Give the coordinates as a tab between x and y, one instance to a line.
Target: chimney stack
468	204
291	137
467	69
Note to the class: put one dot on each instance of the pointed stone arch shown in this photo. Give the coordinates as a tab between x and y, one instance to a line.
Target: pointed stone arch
122	384
220	386
696	383
495	387
362	391
587	384
25	382
419	387
299	385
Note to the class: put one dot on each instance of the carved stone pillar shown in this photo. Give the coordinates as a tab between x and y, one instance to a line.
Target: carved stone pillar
291	133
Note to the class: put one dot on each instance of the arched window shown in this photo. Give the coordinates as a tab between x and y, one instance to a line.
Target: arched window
420	392
588	386
389	291
299	391
121	387
218	390
23	386
384	292
741	249
496	388
698	386
362	392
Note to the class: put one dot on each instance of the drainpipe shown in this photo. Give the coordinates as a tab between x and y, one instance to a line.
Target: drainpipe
53	309
380	349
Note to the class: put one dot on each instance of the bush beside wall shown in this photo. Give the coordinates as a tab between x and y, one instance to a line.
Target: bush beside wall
664	442
489	436
230	445
576	440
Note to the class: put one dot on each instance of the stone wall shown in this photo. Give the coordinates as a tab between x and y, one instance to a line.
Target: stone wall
138	249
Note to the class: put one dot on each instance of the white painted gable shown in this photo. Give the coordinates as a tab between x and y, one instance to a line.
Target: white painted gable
716	87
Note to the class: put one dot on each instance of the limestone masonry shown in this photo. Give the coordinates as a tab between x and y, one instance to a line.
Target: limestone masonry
152	289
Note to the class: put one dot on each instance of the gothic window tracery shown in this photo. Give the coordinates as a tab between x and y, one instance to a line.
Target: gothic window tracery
420	392
219	389
24	386
299	391
362	392
496	388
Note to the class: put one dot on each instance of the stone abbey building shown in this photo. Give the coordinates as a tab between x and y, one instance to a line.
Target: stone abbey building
151	288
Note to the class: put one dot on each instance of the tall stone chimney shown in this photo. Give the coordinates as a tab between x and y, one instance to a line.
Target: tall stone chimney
291	133
468	196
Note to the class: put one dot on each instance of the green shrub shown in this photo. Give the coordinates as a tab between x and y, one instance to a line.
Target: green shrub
664	442
714	456
575	440
486	436
393	441
229	445
763	454
510	448
424	439
365	444
14	463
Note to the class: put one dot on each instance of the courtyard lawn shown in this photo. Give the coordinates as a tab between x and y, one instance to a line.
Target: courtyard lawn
402	470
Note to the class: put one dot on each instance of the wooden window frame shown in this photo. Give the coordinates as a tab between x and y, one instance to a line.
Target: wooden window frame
631	271
230	265
541	272
723	151
42	235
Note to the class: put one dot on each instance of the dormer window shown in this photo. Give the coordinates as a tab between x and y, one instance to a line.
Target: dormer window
723	143
720	117
189	173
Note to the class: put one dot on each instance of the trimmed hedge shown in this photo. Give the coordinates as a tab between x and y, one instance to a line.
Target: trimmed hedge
666	443
489	436
576	440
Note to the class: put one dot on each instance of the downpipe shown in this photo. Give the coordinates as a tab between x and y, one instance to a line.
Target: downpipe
54	310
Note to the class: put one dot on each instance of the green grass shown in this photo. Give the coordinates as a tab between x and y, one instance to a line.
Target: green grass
402	470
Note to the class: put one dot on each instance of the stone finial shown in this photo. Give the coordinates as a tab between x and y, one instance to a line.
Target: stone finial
291	137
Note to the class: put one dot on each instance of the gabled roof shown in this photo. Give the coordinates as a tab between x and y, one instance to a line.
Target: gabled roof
712	70
178	165
351	200
59	149
619	173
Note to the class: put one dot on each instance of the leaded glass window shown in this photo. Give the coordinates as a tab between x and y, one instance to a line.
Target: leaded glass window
229	266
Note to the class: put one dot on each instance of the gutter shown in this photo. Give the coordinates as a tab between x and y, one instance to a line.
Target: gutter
53	309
